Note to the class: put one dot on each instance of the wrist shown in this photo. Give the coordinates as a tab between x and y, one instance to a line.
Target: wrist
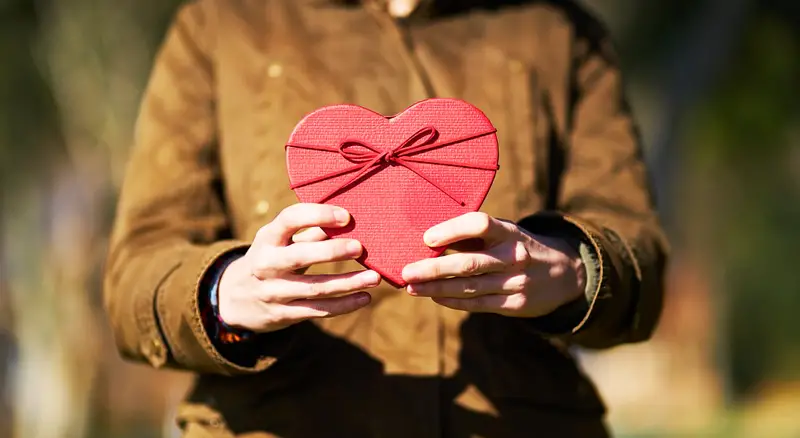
227	282
216	326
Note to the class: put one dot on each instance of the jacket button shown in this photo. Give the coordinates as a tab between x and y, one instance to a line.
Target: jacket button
155	352
274	70
516	66
165	157
262	207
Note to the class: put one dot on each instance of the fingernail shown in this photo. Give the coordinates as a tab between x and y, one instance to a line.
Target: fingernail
410	289
363	298
353	247
341	215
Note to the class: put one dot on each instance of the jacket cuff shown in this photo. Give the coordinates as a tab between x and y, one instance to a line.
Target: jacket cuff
222	336
612	300
178	315
250	347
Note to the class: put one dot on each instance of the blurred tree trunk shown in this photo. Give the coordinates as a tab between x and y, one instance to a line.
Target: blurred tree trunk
7	341
96	56
56	325
695	63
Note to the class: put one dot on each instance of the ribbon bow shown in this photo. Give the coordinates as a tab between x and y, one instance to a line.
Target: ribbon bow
368	157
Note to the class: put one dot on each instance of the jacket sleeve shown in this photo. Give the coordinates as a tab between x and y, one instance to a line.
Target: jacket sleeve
605	202
171	223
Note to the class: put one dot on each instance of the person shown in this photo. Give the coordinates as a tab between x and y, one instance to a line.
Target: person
215	267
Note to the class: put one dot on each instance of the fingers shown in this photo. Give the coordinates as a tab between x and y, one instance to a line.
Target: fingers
510	256
501	304
320	286
299	216
287	301
310	235
301	310
278	316
471	287
467	226
304	254
465	264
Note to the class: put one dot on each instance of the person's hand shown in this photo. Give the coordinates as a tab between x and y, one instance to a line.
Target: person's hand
512	272
265	289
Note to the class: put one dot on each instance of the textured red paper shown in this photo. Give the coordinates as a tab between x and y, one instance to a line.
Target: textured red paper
392	206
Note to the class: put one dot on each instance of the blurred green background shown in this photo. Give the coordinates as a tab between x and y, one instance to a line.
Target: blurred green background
714	84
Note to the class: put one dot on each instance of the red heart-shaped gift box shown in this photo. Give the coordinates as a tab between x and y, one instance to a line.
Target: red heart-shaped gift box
397	176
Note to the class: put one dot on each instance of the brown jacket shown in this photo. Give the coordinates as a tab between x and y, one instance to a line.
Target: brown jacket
207	171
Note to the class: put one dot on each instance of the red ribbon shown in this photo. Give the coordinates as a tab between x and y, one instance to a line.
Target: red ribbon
368	157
